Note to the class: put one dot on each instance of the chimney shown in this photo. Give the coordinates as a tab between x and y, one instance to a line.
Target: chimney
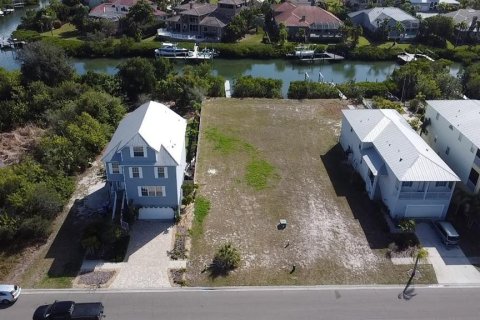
191	5
303	18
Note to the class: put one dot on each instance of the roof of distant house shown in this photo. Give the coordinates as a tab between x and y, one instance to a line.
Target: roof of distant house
464	115
380	13
157	125
212	21
234	2
408	156
201	10
466	15
300	15
109	10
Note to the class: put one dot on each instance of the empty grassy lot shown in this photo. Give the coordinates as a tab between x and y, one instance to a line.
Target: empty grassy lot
264	160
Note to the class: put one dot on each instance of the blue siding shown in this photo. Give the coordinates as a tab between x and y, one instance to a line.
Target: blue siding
170	184
127	159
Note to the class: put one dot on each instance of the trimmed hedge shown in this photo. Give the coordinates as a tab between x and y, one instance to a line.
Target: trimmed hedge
311	90
366	89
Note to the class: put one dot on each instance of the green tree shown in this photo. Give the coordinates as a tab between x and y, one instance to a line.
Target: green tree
139	16
460	28
283	34
226	258
102	107
44	62
471	81
137	75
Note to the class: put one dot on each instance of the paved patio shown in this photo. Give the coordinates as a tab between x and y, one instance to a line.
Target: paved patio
147	262
450	263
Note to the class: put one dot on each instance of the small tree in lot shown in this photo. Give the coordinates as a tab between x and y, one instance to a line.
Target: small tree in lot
226	259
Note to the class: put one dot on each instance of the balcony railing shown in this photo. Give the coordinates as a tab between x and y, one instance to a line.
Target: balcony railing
428	196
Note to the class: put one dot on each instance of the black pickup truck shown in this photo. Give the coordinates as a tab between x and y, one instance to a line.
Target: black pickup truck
69	310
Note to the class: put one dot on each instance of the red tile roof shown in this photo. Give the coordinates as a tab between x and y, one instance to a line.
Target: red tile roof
299	15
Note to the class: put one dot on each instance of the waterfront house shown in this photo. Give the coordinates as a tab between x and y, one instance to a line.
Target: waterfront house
396	165
472	23
202	21
307	21
452	130
145	161
385	19
432	5
116	9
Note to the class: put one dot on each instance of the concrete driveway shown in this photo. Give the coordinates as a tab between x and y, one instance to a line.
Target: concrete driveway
450	263
147	262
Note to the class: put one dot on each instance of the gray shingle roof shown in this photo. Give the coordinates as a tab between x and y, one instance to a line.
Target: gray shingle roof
384	12
464	115
401	148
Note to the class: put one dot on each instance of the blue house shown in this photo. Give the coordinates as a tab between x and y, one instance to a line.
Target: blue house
145	161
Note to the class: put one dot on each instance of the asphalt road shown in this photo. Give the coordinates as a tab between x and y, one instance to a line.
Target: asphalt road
266	303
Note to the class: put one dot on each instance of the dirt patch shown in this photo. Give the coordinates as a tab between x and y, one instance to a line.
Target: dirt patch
15	143
328	237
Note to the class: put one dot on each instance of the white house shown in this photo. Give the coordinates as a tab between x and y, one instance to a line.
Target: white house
374	19
397	166
145	161
454	133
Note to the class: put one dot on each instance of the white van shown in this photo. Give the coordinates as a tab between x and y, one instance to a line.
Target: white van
447	232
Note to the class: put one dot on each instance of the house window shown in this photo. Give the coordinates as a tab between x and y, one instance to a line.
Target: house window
478	153
136	172
407	184
138	152
473	177
152	191
447	151
161	172
460	137
114	168
441	184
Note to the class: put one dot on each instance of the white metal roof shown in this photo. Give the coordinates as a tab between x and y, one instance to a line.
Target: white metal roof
384	12
464	115
401	148
159	127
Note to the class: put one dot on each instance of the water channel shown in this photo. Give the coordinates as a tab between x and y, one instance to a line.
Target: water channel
230	69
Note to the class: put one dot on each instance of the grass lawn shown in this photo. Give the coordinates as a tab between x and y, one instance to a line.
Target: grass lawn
362	41
389	44
253	38
67	31
261	160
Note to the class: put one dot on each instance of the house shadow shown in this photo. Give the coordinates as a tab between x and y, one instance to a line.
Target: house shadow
348	184
142	234
66	251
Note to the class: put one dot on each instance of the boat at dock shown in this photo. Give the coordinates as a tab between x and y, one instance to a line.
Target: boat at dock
303	53
196	54
408	57
171	50
10	43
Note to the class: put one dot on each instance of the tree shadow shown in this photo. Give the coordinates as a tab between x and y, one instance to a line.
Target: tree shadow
66	251
348	184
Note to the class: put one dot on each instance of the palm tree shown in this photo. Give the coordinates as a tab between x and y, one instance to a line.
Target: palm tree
461	27
400	29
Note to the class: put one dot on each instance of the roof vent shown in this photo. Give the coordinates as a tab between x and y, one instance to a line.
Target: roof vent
400	160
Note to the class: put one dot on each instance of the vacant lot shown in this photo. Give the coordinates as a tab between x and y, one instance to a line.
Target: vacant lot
264	160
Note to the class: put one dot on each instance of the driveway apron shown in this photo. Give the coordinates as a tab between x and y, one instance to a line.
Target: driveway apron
449	262
147	261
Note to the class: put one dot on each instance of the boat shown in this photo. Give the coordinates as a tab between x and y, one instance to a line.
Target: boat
169	49
1	13
196	54
408	57
301	52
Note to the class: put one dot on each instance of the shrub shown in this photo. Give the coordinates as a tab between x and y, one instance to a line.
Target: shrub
26	35
226	258
311	90
382	103
188	192
248	86
407	225
34	228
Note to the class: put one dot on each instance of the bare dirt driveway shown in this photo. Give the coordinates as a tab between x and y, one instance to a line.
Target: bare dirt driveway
264	160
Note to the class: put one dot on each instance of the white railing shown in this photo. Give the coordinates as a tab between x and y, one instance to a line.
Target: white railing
411	195
179	36
422	195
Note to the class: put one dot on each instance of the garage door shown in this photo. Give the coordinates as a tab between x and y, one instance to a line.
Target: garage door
429	211
156	213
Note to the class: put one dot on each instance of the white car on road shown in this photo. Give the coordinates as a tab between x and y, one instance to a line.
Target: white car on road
9	293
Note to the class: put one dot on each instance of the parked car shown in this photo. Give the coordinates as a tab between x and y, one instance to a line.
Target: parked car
9	293
69	310
447	232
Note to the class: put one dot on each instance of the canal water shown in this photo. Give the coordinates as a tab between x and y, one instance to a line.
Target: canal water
286	70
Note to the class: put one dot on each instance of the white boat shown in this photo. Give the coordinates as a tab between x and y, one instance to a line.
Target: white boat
171	50
303	52
1	13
